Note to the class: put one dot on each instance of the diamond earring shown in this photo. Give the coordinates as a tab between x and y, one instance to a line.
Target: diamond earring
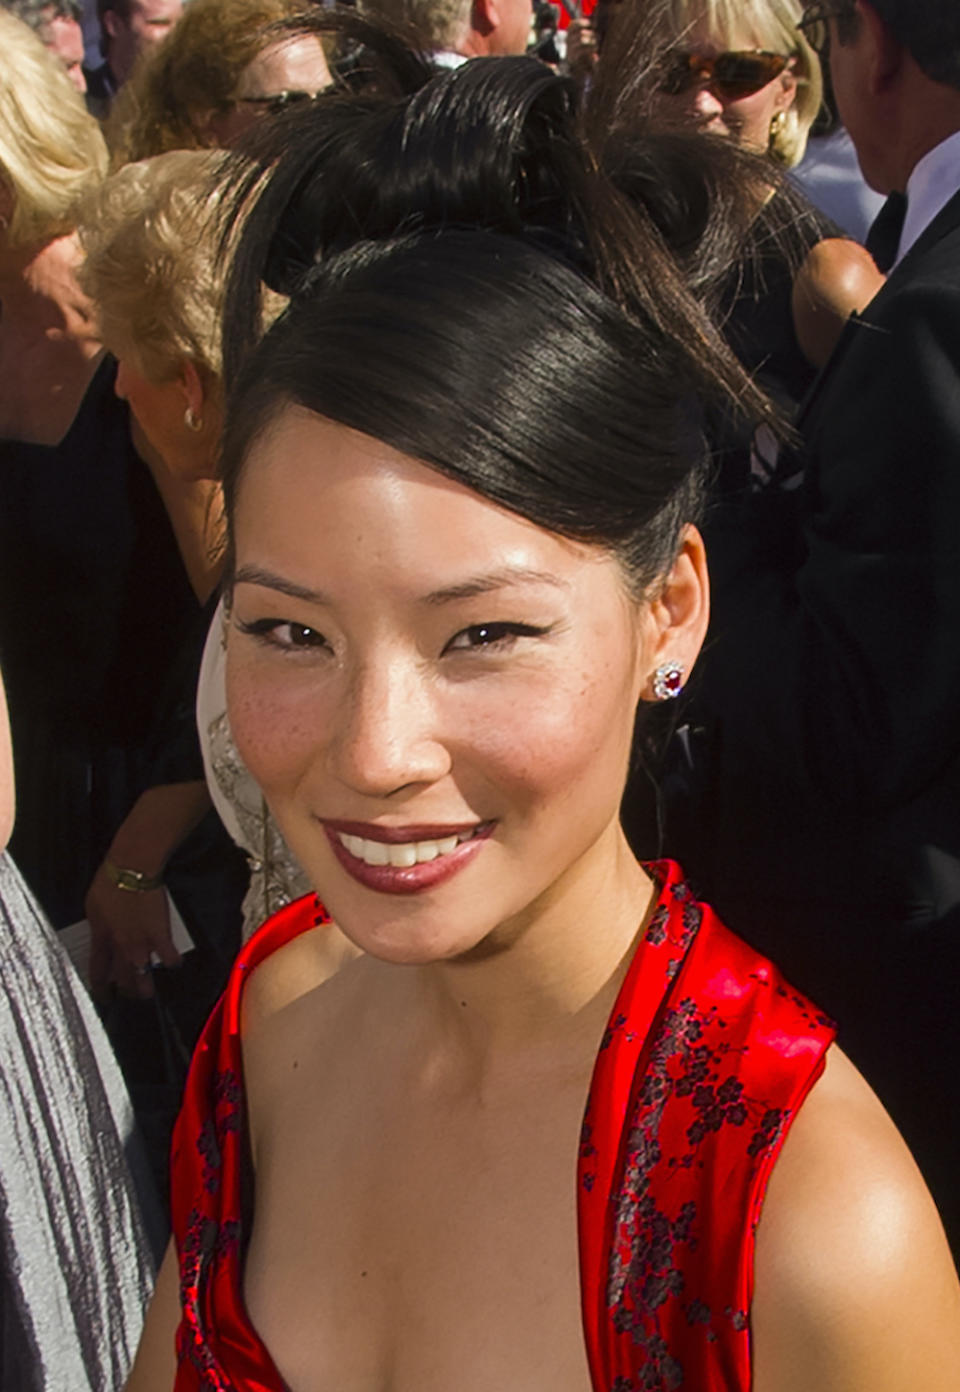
668	681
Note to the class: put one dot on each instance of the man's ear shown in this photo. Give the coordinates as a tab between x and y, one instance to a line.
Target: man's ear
884	56
110	23
678	612
484	16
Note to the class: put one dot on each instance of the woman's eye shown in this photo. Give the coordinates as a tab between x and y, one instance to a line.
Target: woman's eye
284	634
489	635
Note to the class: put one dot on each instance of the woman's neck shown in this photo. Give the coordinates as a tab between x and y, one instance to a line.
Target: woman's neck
550	980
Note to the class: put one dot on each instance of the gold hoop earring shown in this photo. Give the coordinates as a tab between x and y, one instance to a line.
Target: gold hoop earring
192	421
777	127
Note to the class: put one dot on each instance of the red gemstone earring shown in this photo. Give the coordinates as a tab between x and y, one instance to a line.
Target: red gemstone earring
668	680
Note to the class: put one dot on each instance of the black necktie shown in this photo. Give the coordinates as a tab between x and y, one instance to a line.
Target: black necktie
883	239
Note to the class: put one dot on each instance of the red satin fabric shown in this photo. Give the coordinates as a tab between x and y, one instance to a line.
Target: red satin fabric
707	1056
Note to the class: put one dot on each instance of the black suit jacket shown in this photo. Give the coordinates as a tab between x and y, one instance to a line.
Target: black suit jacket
824	819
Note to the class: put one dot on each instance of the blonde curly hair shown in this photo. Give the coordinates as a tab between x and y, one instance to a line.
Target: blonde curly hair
151	265
51	150
772	25
193	72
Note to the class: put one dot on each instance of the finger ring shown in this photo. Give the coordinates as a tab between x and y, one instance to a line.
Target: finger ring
142	971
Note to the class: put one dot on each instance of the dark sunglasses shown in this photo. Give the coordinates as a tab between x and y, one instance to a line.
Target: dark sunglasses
278	101
814	27
729	75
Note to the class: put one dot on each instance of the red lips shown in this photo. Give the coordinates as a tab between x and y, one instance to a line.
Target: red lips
406	879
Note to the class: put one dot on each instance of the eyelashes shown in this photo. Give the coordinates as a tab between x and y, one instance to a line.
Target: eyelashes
493	635
296	637
281	633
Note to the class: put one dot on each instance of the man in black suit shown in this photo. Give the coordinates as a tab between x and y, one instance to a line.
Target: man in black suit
826	723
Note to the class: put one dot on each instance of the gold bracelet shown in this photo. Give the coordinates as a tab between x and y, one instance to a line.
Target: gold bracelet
133	881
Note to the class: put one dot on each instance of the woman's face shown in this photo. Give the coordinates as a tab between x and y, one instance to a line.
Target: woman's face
436	695
747	119
291	70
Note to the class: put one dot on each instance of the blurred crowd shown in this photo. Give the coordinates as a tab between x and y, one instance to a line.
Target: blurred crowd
808	776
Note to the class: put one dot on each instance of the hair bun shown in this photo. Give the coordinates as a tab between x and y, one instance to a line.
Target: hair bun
475	145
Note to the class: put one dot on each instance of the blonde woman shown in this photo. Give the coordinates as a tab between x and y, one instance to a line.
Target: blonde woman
151	269
743	70
96	601
218	71
51	155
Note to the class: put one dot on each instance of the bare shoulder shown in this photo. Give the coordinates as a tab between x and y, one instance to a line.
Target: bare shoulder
855	1287
838	278
294	969
841	273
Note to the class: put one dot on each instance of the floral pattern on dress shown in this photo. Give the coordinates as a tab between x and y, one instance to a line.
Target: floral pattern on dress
706	1058
708	1073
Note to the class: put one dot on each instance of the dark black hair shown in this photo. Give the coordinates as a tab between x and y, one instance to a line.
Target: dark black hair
469	287
930	31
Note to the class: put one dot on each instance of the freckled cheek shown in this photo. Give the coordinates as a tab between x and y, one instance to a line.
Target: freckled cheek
277	726
557	744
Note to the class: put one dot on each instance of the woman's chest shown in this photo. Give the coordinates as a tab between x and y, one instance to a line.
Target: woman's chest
438	1250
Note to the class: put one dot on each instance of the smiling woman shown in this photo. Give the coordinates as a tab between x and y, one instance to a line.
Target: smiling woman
444	671
743	68
556	1128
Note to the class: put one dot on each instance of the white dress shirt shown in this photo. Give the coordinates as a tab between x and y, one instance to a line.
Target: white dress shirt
934	181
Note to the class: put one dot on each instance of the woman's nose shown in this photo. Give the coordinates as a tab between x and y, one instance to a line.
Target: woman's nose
388	737
704	102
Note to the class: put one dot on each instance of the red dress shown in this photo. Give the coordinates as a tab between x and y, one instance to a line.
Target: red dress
706	1058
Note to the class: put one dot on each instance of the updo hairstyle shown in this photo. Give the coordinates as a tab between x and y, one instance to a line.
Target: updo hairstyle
469	288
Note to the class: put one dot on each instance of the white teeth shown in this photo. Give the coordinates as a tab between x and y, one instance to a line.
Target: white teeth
402	854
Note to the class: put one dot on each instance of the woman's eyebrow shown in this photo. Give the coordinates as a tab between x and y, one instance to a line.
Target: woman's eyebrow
255	575
495	580
502	578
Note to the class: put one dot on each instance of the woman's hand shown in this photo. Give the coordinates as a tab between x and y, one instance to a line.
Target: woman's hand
126	929
128	926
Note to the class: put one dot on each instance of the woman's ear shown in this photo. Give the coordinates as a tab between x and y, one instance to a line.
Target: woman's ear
192	385
678	614
787	93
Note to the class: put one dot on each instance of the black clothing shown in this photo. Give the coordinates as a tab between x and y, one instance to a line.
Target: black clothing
824	815
102	87
95	606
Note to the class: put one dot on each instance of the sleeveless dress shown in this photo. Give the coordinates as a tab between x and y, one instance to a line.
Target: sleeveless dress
707	1057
